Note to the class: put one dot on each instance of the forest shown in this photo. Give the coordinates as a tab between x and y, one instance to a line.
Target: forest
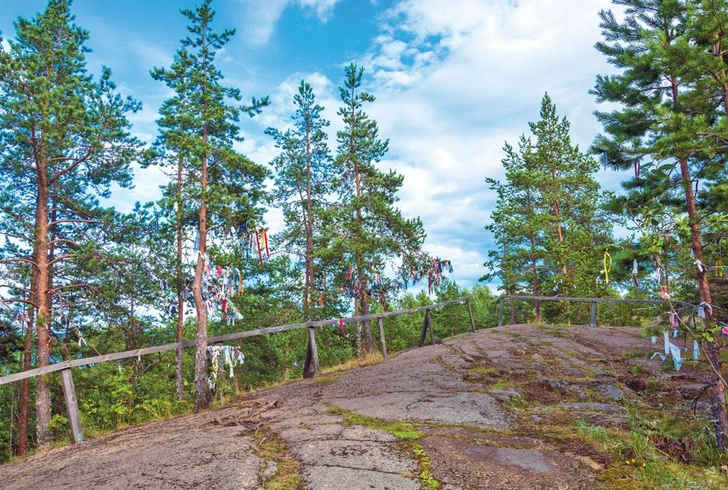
79	278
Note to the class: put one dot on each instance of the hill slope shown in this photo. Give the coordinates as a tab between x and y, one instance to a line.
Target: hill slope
518	407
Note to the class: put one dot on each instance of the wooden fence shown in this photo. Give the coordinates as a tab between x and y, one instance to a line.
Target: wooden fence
593	301
65	367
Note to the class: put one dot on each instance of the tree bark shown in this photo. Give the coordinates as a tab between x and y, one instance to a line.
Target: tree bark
180	288
369	347
25	384
532	238
309	286
202	388
43	393
711	349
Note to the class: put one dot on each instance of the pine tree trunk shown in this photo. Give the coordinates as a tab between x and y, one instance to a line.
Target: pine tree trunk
363	301
532	238
25	384
179	378
513	310
202	388
180	289
309	286
43	393
711	349
370	346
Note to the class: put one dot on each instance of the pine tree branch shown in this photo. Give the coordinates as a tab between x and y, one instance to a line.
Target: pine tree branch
17	217
19	237
69	286
18	259
64	240
19	300
10	286
62	257
75	164
89	221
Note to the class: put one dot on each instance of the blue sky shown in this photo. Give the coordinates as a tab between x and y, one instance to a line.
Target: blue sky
454	80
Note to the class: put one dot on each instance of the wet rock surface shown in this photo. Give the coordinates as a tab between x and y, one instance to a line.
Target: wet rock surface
479	405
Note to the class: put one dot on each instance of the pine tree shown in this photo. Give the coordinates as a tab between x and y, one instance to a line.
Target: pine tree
302	181
198	128
65	139
169	154
546	220
372	229
673	95
516	232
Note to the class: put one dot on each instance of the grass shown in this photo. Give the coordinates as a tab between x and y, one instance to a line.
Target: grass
270	447
367	360
517	402
635	354
554	330
398	428
404	431
425	465
483	370
637	370
652	453
328	378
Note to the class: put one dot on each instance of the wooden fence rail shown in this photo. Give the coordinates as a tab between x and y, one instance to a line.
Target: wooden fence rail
65	367
593	301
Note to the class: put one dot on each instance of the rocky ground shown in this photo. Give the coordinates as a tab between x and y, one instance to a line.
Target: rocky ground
494	409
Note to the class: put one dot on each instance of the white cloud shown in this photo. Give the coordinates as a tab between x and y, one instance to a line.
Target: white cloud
324	8
454	80
262	17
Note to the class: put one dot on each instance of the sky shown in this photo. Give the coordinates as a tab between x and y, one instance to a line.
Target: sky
453	80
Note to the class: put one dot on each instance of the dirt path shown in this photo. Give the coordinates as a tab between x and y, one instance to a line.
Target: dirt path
481	410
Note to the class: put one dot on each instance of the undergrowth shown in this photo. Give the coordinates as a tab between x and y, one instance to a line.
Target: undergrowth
659	452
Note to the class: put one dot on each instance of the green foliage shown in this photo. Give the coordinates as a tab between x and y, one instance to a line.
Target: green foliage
65	141
550	238
303	180
369	230
670	124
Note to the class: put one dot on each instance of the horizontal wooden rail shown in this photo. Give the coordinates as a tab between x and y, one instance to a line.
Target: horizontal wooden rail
212	340
600	300
593	301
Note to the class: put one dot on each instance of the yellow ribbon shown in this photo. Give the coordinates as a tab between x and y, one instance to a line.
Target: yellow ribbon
607	266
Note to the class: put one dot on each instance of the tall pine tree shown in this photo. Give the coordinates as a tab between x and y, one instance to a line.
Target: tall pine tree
198	127
373	230
65	141
546	224
672	92
302	182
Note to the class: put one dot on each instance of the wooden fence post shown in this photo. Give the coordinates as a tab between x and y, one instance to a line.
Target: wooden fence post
382	341
426	325
69	393
429	324
593	320
470	314
500	311
314	350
